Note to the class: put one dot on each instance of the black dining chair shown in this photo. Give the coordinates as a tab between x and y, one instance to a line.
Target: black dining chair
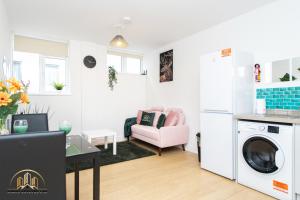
36	122
33	166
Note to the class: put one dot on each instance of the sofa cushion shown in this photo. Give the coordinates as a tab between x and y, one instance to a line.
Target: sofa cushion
147	131
171	119
147	118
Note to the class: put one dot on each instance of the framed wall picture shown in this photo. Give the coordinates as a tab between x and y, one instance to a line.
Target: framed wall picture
166	66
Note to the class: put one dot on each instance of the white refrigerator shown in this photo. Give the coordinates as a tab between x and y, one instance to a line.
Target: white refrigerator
226	88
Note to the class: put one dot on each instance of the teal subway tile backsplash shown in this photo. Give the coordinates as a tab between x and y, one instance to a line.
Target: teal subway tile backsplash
280	98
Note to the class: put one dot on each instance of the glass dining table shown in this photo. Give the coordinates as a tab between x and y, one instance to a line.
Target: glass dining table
80	150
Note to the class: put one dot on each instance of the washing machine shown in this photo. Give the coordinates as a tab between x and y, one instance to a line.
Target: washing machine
265	158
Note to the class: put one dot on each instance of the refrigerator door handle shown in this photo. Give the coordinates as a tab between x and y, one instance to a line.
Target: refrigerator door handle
216	111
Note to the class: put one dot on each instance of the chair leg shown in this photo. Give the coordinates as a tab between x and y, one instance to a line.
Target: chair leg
159	151
183	147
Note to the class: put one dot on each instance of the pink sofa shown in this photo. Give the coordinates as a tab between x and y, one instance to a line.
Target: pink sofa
165	136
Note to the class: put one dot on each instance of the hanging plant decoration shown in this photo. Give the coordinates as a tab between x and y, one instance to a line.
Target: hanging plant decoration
112	77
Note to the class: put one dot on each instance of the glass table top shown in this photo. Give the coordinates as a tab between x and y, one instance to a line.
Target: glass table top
77	145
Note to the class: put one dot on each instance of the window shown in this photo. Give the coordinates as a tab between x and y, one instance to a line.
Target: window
133	65
125	63
115	61
26	68
55	72
17	72
42	63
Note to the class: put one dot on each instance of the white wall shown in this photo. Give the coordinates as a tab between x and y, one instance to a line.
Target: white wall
92	104
5	44
270	33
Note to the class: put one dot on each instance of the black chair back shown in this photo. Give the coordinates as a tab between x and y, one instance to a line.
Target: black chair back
36	122
33	166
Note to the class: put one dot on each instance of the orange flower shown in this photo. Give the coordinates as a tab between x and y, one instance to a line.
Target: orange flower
14	85
24	98
2	85
4	99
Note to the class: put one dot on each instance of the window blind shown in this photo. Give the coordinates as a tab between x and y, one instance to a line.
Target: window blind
40	46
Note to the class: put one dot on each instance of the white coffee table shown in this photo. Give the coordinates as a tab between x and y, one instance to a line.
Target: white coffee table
102	133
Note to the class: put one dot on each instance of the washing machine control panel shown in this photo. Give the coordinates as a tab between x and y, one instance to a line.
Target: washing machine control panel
273	129
262	128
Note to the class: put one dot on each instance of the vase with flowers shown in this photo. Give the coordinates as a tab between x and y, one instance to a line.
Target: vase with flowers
12	94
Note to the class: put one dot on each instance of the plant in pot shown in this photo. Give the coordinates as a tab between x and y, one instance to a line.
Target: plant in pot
12	94
58	86
112	77
286	77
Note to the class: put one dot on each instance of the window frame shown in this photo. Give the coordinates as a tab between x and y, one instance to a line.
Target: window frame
124	57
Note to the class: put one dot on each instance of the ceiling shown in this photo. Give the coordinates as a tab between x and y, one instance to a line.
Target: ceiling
154	22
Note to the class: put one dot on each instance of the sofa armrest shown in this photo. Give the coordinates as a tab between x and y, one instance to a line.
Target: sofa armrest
173	135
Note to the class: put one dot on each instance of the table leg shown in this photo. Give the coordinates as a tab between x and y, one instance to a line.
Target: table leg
76	181
115	145
96	179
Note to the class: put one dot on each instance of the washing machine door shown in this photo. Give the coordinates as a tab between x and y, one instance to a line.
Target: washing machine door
263	155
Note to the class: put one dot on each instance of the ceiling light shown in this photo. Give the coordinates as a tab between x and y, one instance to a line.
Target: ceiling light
119	42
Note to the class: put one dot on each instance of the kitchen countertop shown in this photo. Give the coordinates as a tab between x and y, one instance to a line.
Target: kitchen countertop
270	118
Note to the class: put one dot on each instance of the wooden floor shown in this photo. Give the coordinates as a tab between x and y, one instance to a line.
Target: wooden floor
175	175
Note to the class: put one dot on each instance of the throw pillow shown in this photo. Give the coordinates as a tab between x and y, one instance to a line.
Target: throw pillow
171	119
181	119
161	121
139	117
147	119
157	115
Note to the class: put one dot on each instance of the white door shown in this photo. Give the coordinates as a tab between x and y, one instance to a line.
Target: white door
217	143
216	83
